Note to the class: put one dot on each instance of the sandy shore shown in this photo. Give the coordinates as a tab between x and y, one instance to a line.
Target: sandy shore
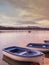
46	61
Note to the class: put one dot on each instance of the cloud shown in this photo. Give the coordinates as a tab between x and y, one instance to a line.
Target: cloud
43	22
24	12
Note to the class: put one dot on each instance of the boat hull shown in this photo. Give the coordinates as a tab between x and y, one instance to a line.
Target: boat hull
39	59
43	47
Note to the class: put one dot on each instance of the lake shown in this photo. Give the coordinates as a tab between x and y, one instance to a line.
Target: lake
20	38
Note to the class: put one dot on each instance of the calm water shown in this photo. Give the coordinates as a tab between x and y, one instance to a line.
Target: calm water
20	38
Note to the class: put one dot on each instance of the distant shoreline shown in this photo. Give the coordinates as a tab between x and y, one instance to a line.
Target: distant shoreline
23	28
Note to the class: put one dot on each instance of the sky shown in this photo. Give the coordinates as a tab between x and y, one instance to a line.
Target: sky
24	13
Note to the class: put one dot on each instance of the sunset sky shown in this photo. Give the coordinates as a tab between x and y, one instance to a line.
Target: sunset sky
24	12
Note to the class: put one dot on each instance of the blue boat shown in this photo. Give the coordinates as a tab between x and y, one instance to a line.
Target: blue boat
38	46
23	54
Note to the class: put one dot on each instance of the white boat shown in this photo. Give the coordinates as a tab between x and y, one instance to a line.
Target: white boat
38	46
23	54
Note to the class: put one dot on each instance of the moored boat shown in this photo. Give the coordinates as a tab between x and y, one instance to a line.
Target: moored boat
38	46
46	41
24	54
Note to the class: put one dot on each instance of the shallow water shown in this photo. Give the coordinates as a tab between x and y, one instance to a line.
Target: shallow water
20	38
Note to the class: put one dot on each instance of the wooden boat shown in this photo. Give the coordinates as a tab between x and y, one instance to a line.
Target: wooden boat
39	47
24	54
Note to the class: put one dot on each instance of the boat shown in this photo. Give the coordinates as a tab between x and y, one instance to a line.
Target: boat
38	46
46	41
24	54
